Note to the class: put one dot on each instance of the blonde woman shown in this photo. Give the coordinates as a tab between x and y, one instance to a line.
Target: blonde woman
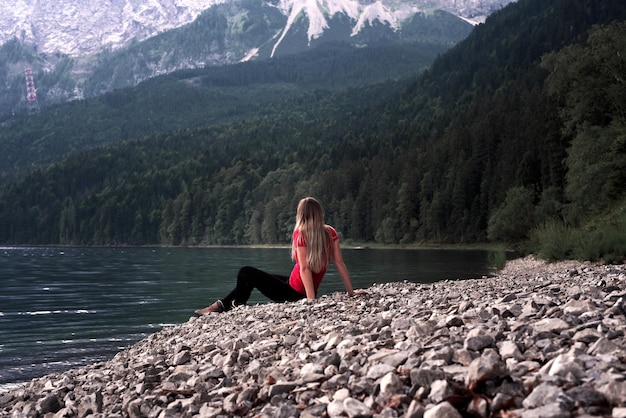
313	245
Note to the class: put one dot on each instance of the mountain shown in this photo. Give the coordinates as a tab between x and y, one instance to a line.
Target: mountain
515	131
83	49
79	28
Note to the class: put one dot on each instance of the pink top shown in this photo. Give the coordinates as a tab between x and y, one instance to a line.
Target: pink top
295	281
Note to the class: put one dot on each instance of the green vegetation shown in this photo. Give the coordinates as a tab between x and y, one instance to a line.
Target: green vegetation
211	96
587	81
515	135
599	239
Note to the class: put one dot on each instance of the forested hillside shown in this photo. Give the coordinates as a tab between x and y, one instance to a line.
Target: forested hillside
196	98
516	134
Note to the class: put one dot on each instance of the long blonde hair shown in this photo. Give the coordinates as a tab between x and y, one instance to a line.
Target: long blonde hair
312	230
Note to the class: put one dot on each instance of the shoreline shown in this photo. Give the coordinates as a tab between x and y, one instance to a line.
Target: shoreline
536	339
348	244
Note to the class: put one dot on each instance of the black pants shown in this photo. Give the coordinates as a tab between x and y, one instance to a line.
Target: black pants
273	286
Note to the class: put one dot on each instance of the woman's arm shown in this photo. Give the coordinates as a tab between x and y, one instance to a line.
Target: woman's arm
305	273
341	267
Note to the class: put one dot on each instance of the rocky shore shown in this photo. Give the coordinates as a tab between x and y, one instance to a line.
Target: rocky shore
536	340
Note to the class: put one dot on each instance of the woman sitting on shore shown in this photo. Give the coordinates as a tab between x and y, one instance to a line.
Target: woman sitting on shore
314	244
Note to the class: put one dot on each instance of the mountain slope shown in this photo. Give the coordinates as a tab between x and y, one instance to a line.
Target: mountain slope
192	98
80	28
213	37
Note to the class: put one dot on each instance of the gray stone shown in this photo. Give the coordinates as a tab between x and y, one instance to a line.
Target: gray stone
415	410
381	355
477	339
454	321
440	390
390	383
578	307
550	325
444	354
488	366
396	359
543	394
618	413
286	411
614	390
587	336
355	408
509	349
335	408
181	358
379	370
604	346
425	377
49	403
462	356
508	298
585	396
281	387
134	408
478	407
566	366
552	410
501	401
442	410
341	394
207	411
314	411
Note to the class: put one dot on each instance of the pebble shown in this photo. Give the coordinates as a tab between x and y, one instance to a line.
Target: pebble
534	340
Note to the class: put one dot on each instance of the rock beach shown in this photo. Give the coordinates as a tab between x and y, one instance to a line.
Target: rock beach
536	340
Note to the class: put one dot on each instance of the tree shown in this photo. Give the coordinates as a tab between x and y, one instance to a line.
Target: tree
513	221
67	223
589	82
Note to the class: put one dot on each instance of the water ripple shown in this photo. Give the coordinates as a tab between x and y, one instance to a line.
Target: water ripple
65	307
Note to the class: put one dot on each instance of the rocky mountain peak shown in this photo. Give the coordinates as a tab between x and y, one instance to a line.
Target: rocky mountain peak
81	27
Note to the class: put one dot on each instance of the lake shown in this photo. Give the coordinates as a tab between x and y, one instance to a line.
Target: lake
66	307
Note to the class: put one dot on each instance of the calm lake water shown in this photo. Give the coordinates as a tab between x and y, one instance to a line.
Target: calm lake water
65	307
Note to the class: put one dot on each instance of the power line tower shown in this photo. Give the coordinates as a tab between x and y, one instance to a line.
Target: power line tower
32	105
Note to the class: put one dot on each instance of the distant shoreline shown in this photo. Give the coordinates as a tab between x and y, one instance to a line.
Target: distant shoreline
344	244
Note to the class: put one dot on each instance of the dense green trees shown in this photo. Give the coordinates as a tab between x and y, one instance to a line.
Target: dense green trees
588	81
588	85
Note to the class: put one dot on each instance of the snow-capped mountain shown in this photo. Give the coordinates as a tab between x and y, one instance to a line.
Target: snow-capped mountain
83	27
81	48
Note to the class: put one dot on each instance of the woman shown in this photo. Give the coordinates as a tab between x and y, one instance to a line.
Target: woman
313	245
